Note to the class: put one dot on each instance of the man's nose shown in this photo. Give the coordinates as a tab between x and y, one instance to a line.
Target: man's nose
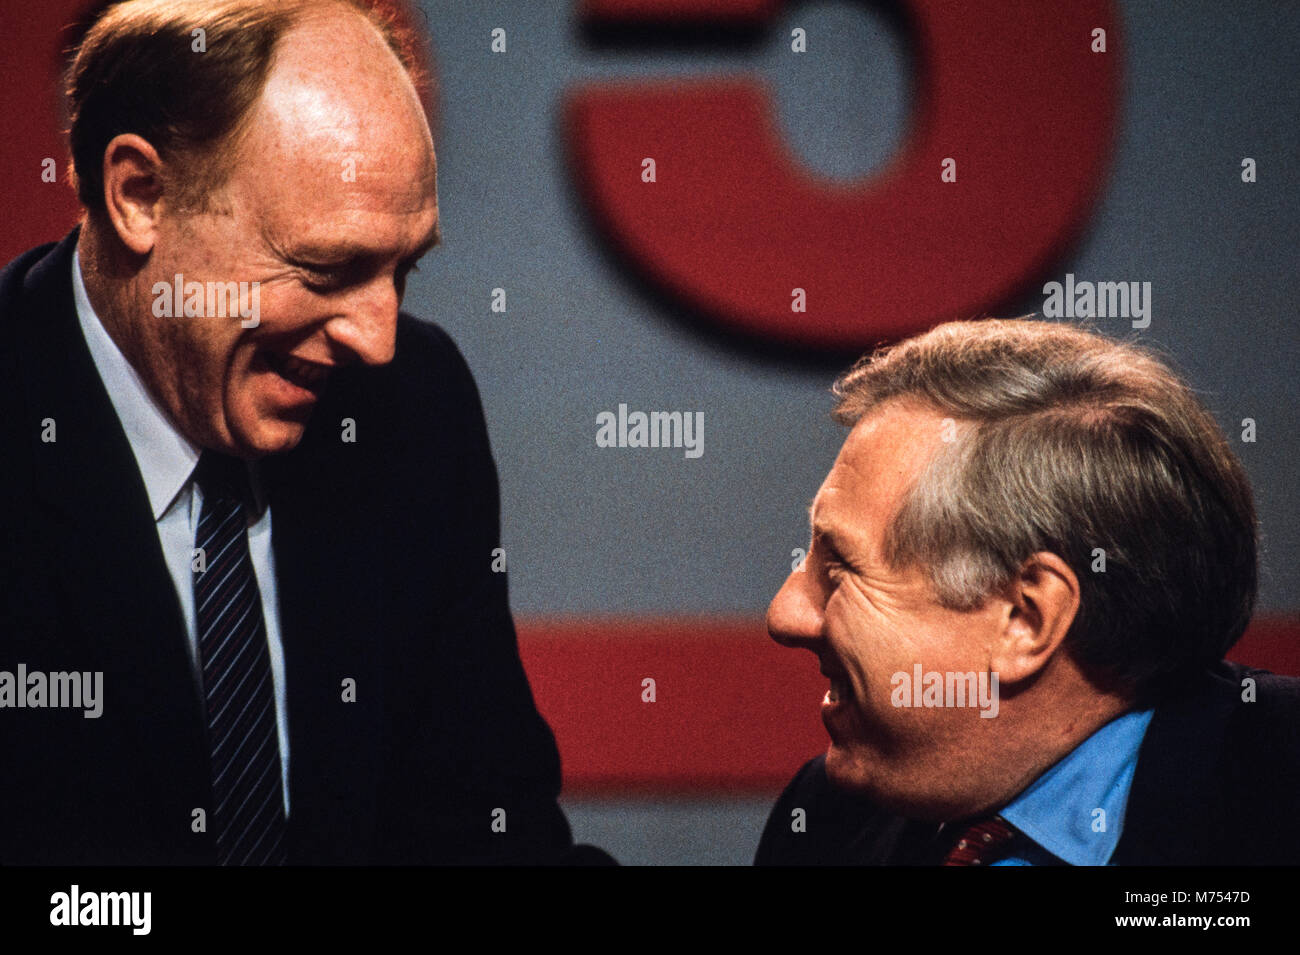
368	326
796	616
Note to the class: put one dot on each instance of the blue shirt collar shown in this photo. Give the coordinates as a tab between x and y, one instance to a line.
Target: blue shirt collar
1075	810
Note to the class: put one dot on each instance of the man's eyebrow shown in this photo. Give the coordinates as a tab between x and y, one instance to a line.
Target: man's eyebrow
828	534
822	530
817	529
832	536
347	253
434	238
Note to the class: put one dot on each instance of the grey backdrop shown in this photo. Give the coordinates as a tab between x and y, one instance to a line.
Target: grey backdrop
650	532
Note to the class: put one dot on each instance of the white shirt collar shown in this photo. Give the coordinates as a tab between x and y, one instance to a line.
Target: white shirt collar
165	457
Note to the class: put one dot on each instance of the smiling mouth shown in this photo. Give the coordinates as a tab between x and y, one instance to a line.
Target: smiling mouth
839	688
297	371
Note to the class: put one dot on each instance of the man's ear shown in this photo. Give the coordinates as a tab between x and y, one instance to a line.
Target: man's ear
133	189
1042	601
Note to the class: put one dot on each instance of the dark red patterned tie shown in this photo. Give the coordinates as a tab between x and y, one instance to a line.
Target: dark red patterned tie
981	843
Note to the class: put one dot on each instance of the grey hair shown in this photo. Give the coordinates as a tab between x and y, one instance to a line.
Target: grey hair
1069	442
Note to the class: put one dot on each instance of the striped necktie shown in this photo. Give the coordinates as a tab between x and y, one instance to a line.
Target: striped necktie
247	815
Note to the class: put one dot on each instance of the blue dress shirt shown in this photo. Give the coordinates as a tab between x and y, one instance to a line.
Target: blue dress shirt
1074	812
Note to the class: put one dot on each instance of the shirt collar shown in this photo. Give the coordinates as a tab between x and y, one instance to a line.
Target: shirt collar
1060	809
165	457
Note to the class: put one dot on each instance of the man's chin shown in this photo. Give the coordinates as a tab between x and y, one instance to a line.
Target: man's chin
848	771
860	775
273	436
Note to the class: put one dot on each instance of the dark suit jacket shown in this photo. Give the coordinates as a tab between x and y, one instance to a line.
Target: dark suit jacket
383	551
1217	783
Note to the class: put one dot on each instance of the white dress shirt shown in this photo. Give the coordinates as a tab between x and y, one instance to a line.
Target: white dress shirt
166	460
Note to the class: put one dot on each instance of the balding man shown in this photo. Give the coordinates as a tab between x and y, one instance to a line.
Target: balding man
1027	564
250	602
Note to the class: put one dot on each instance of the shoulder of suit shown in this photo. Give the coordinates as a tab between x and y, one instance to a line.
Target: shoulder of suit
16	281
430	341
1260	698
16	272
1266	719
26	284
1257	765
1237	709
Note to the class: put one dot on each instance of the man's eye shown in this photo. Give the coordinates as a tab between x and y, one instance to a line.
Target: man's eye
400	277
834	566
320	281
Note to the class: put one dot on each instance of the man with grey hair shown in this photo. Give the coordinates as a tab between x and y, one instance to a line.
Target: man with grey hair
1027	564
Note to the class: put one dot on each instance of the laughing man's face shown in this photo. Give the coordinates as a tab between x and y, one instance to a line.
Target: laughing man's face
866	621
330	203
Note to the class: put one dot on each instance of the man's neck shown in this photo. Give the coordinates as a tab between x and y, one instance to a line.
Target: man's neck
1052	736
97	272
